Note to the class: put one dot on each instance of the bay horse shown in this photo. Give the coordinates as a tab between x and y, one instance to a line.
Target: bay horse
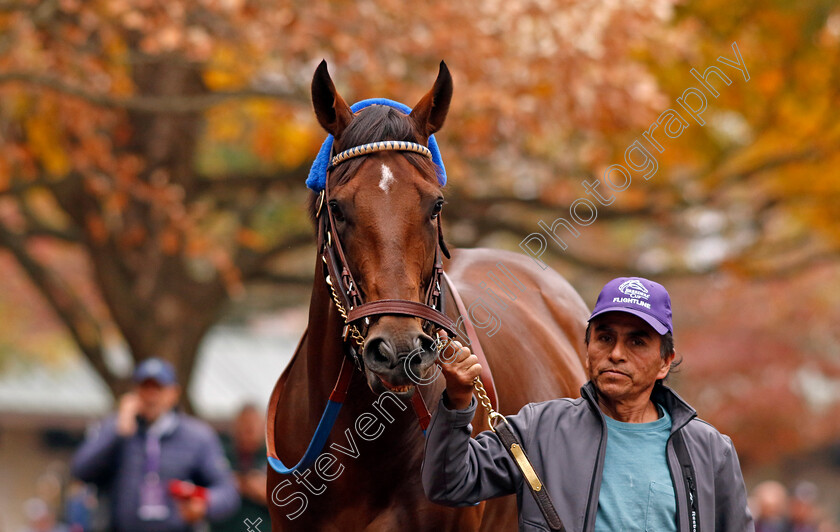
384	207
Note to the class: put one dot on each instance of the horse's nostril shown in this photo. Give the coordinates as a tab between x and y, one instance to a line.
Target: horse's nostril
423	345
424	342
378	357
385	349
380	351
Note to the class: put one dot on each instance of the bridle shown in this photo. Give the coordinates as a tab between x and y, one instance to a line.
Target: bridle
357	313
345	292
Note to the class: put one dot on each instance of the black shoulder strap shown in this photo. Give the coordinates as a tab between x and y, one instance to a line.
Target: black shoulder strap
689	479
532	480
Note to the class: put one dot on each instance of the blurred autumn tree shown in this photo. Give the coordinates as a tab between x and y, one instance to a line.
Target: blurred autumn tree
761	191
765	364
165	144
755	191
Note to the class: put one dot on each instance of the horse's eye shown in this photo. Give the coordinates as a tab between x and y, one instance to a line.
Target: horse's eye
335	210
436	209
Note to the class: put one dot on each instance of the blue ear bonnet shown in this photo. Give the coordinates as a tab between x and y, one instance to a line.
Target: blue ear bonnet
317	179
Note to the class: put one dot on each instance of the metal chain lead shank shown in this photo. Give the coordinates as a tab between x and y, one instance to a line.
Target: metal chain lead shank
493	417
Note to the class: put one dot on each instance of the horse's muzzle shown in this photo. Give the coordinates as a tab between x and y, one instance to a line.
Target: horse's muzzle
398	356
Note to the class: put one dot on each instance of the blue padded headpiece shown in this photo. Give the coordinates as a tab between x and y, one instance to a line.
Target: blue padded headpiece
317	179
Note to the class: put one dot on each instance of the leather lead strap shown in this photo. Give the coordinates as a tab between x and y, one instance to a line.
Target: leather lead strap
514	448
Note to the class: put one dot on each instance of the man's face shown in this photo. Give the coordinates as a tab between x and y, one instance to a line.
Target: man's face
623	357
249	430
155	398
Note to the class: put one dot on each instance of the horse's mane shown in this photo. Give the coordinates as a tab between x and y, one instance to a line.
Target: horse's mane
372	124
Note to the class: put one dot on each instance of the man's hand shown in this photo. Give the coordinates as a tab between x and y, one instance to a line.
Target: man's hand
127	411
460	368
192	510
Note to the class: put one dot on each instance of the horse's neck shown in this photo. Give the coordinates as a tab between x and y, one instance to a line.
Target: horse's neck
323	350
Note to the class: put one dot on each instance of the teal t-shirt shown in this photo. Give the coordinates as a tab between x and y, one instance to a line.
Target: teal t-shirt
637	492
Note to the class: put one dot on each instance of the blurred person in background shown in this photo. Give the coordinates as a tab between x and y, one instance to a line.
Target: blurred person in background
80	507
247	455
770	499
804	513
40	517
828	525
161	469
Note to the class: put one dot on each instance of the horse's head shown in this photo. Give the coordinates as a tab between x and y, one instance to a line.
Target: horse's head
385	207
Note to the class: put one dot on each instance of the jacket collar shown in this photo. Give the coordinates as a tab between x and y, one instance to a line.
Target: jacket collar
680	411
163	426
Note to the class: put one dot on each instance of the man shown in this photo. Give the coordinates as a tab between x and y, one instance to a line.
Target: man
246	453
772	507
135	456
628	455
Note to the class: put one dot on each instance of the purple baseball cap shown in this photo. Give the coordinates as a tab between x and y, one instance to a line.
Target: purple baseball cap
638	296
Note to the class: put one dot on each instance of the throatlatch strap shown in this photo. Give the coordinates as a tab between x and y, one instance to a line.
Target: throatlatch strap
514	448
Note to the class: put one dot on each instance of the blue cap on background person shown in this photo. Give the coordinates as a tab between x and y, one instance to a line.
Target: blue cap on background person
638	296
157	370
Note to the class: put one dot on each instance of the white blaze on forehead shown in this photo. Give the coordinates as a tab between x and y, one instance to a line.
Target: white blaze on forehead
387	178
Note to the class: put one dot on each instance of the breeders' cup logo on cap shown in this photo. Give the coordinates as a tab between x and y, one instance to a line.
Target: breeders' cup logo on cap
637	292
634	288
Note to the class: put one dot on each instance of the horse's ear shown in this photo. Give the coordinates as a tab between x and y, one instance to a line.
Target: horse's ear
430	112
332	111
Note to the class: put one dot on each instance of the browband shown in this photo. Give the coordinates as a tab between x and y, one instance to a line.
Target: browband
383	145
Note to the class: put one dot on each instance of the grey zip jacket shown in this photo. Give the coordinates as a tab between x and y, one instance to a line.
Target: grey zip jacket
566	441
